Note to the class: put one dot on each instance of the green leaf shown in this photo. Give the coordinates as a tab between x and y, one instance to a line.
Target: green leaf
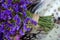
29	14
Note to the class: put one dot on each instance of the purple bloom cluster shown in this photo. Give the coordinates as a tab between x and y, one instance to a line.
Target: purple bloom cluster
10	20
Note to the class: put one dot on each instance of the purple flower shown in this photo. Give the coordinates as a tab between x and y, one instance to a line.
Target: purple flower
5	6
2	1
25	2
26	20
22	2
28	2
1	28
16	7
24	6
25	28
1	36
6	14
7	36
34	22
28	29
9	1
21	32
17	27
12	31
10	21
24	13
17	19
29	19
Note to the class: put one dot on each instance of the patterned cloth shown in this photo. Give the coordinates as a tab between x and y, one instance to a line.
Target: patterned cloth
54	34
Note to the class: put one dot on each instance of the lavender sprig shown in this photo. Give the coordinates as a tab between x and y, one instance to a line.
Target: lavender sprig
10	21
